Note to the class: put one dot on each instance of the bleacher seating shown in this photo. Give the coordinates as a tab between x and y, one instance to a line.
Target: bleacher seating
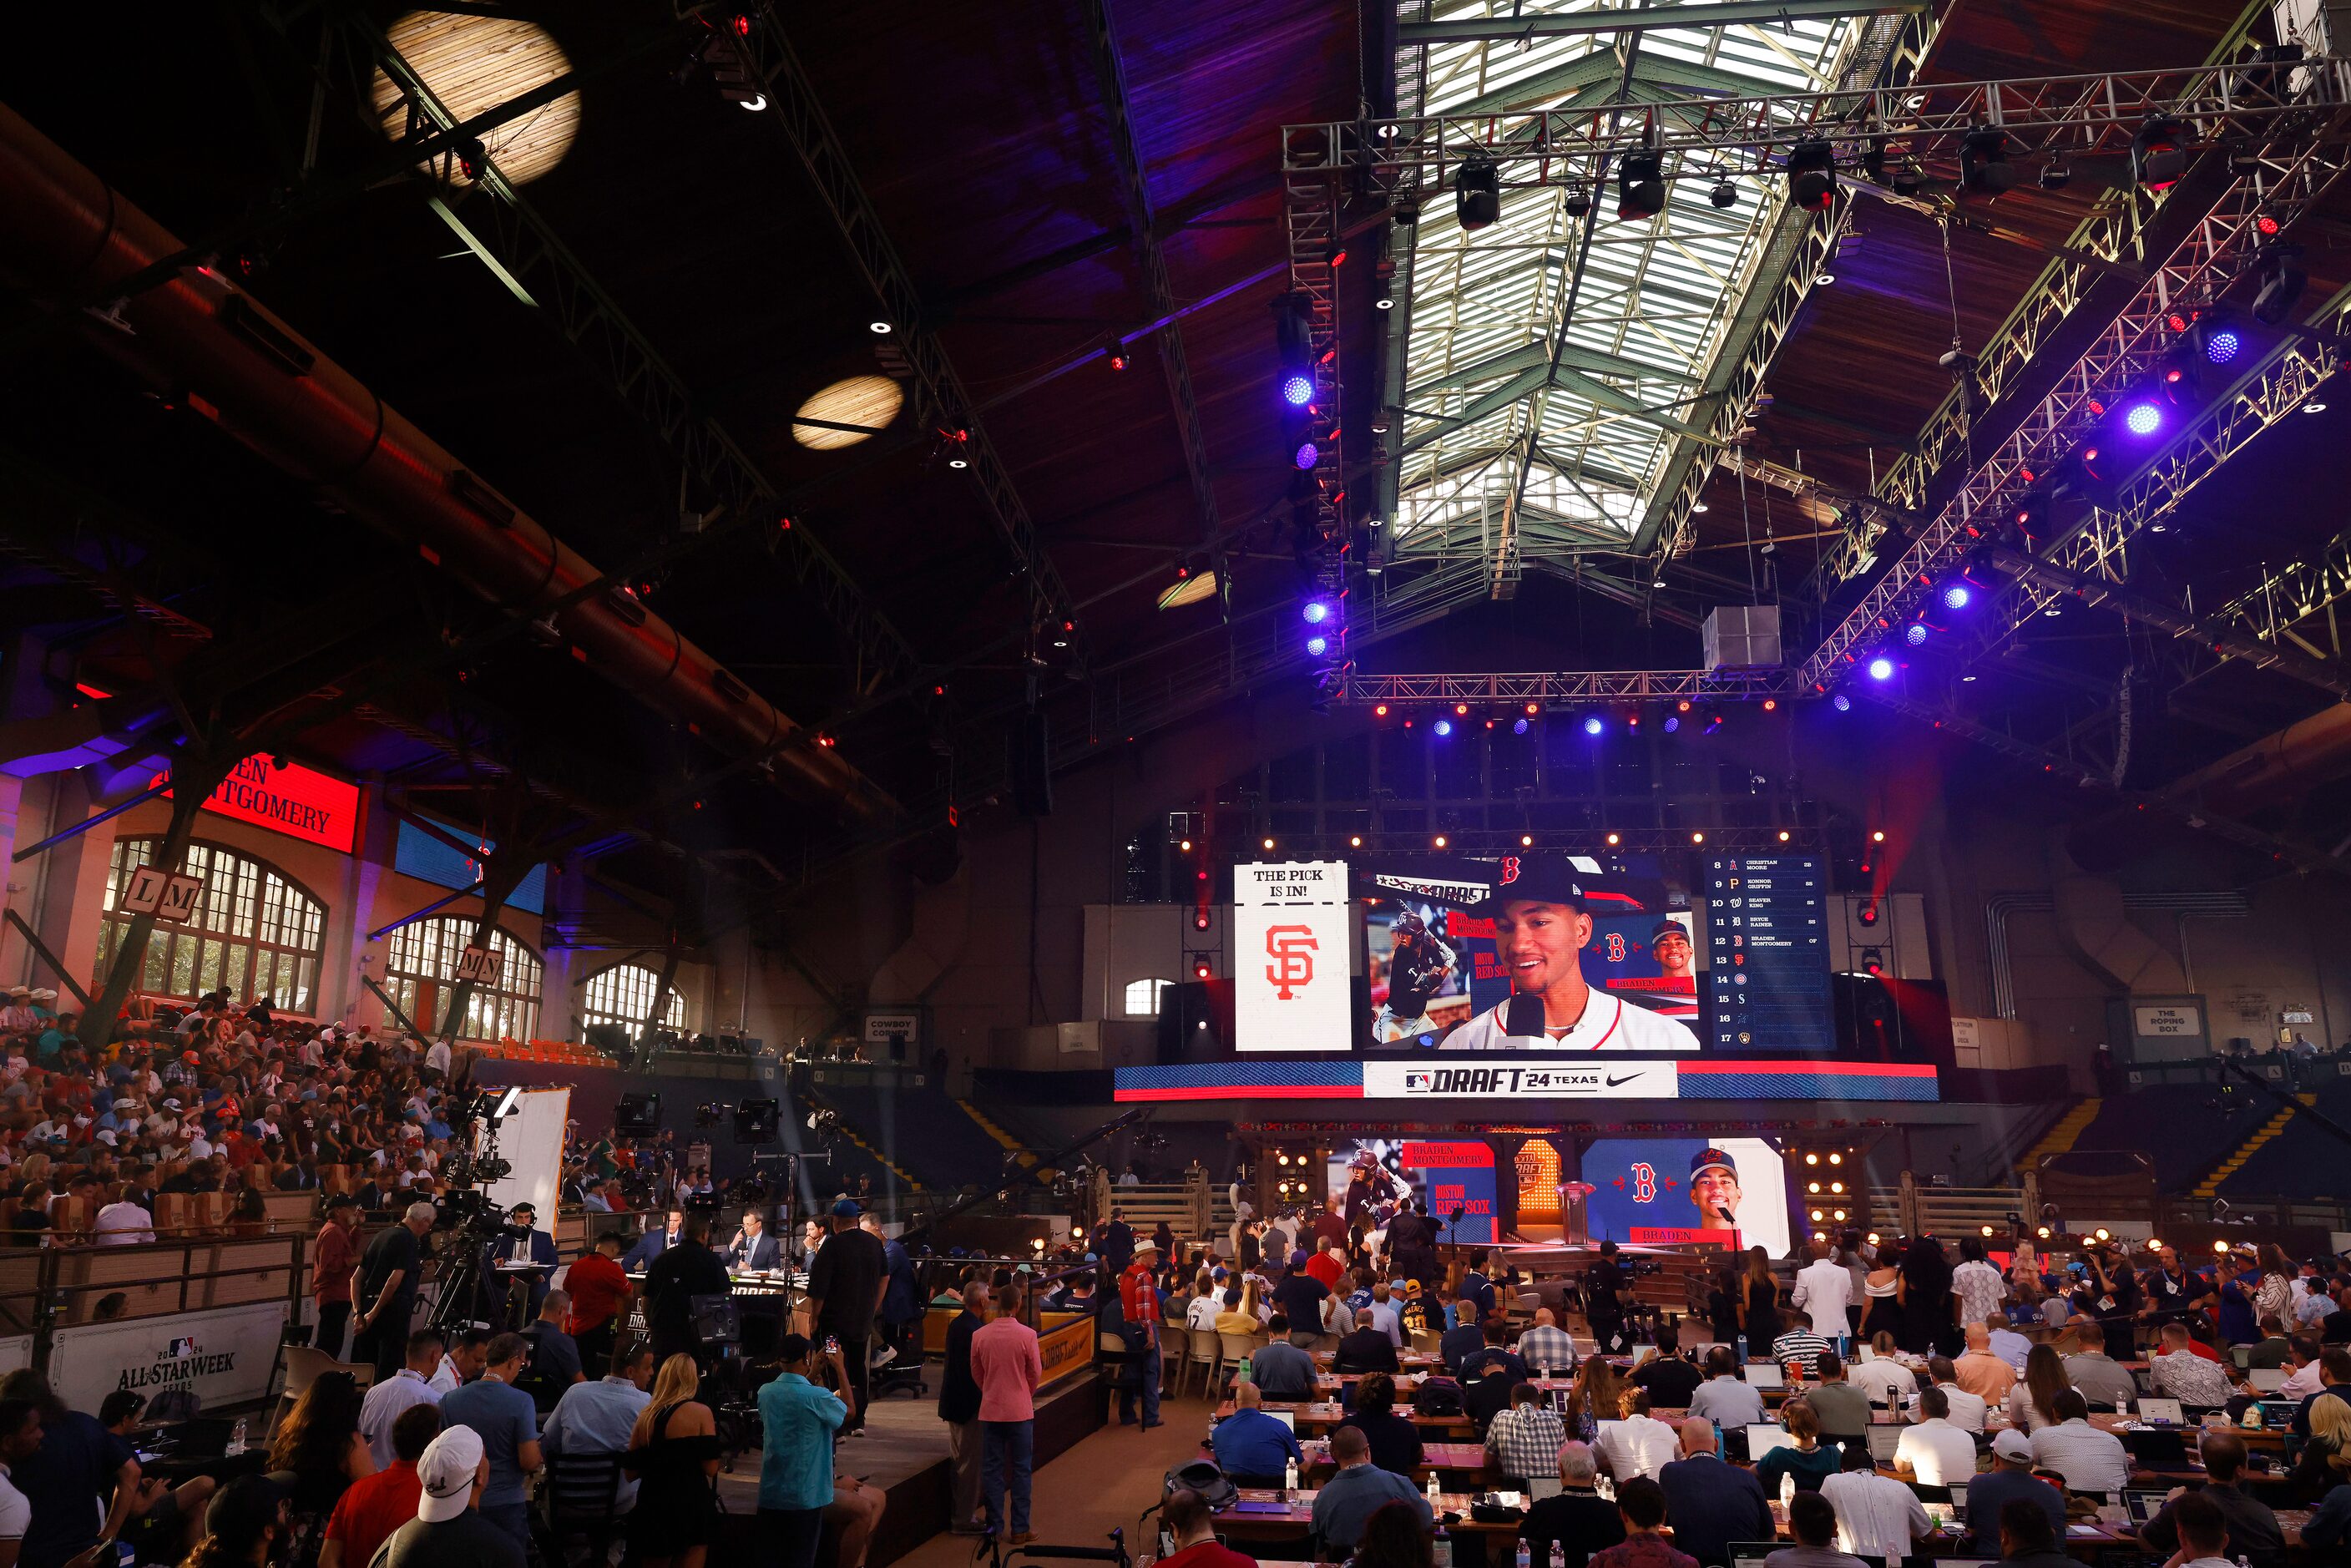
2195	1136
2305	1161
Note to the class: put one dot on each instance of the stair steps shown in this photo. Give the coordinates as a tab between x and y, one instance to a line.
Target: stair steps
2210	1185
1023	1156
2059	1139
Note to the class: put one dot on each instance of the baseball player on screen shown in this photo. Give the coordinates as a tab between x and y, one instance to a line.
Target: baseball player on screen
1417	971
1540	925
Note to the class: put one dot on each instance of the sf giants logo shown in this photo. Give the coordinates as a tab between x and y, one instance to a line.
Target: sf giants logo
1509	871
1644	1182
1293	950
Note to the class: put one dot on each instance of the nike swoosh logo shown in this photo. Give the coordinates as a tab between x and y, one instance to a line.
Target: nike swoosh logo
1628	1078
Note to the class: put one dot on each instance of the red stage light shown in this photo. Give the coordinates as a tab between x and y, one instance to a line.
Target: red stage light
1381	711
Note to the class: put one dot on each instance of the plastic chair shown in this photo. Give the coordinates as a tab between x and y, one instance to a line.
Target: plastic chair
1204	1350
1231	1347
582	1498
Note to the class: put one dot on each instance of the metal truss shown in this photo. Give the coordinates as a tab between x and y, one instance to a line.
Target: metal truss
2071	770
1575	687
523	249
1563	24
2122	229
2293	594
1134	189
1890	53
2097	550
793	108
2220	244
2067	116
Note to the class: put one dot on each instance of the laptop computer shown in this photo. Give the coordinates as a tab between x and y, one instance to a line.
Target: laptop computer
2143	1505
1883	1441
1287	1418
1764	1437
2266	1379
1763	1375
2160	1412
1643	1352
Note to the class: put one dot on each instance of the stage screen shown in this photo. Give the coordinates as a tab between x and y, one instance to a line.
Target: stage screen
1676	1190
1653	955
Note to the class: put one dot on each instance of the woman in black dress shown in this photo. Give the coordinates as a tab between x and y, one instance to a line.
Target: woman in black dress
1924	1297
673	1452
1722	1305
1881	1313
1759	1316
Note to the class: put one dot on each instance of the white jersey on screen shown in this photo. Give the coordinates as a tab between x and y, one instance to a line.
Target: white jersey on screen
1609	1023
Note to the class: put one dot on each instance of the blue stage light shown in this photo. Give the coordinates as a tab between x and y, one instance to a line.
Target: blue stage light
1841	702
1306	455
2143	419
1316	611
1444	726
1881	668
1593	725
1916	635
1317	646
2222	346
1956	596
1297	390
1519	726
1673	723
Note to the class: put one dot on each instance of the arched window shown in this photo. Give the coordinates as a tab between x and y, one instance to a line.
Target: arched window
624	994
1143	998
255	931
420	969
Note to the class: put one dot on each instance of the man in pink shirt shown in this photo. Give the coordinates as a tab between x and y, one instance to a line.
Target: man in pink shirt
1006	1365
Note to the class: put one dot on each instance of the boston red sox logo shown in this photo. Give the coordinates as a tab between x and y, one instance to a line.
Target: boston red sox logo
1293	950
1510	869
1644	1183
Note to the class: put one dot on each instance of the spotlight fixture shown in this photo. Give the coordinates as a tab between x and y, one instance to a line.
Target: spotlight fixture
1293	346
1316	646
1269	844
2055	175
1381	711
1713	723
2159	153
2143	417
1297	390
1984	168
1614	839
1440	841
1812	174
2281	283
1477	192
1316	613
1518	727
1673	723
2220	343
880	328
1640	186
1783	835
1304	457
1577	203
1355	840
1956	596
1878	835
1382	299
1442	727
1841	702
1724	193
1526	840
1698	838
1881	668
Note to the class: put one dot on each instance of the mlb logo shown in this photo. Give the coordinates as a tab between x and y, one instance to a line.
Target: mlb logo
1413	1081
181	1348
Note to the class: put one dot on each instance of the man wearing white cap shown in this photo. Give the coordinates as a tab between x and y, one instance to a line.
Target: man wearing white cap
447	1532
2010	1478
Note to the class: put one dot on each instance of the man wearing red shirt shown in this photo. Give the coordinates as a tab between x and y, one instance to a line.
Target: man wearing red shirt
1007	1366
1138	1298
1194	1529
330	1273
1326	1264
371	1507
599	1288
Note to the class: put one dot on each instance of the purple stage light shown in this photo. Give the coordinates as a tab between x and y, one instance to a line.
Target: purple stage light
1881	668
1297	390
1306	455
2144	419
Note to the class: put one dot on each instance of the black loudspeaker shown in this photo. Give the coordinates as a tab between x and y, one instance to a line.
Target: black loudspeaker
637	1115
608	1037
1030	766
1188	1030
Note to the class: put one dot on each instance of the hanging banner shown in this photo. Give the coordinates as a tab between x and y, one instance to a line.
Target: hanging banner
224	1357
1291	957
1457	1181
300	801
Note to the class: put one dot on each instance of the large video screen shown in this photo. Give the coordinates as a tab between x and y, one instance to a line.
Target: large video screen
1666	955
1730	1192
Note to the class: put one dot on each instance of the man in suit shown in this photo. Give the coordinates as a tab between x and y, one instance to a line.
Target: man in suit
1713	1503
1367	1349
753	1248
520	1242
653	1243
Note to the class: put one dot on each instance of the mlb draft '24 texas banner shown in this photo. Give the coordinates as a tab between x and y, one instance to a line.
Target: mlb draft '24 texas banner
1291	926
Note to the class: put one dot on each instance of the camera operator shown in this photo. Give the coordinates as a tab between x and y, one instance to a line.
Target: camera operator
686	1271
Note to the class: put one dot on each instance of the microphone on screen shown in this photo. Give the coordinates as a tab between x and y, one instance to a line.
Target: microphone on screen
1729	1222
1524	1015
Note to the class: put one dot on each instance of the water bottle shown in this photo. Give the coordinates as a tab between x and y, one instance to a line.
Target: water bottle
1433	1493
1787	1488
1606	1487
236	1438
1558	1555
1290	1476
1525	1557
1243	1373
1441	1551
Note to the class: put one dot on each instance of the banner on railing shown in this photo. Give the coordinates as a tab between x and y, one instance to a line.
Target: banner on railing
225	1355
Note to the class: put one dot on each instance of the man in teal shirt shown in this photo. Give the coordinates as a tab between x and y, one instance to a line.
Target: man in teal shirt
796	1462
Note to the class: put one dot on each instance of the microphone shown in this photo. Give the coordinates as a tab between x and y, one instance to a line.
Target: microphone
1729	1222
1524	1015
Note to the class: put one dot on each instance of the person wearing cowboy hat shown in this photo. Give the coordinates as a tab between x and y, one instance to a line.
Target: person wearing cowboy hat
1541	923
1138	1300
18	1014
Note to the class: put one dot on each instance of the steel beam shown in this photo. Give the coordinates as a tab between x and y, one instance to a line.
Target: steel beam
524	250
796	114
1134	189
1575	687
1507	29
